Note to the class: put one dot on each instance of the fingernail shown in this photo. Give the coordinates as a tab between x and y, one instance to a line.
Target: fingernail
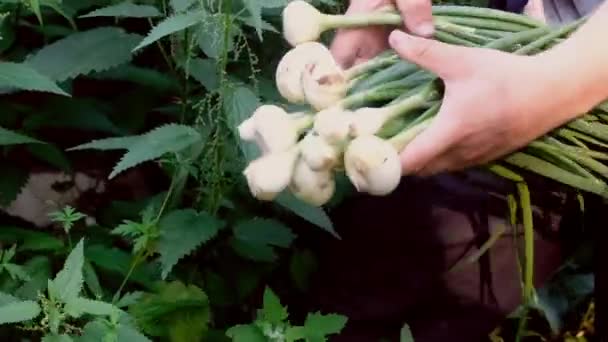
397	37
425	29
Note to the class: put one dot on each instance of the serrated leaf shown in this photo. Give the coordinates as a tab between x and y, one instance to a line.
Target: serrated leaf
255	252
19	311
312	214
51	154
6	298
57	338
319	325
265	232
91	279
81	114
118	261
128	333
16	272
246	333
239	104
181	232
171	25
84	52
35	7
94	331
164	313
181	5
129	299
8	137
214	37
204	71
272	311
78	306
25	77
406	334
125	9
148	78
68	282
154	144
107	144
255	10
39	269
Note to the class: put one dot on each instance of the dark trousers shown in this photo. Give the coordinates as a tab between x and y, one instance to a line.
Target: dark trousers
391	266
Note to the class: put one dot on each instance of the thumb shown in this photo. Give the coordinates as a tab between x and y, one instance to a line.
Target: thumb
429	145
444	60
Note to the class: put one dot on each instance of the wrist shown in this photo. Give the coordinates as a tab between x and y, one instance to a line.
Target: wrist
577	84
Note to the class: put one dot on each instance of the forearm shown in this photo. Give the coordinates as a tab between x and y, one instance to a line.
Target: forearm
580	64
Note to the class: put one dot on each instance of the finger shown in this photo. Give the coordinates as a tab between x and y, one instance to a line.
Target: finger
418	16
428	146
437	57
446	162
345	47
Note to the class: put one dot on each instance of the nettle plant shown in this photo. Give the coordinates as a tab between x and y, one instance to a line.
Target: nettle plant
153	82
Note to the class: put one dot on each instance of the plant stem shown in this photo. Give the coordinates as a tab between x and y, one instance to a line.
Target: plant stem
134	264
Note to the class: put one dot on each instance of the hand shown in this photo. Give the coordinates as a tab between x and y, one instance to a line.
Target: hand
494	103
353	46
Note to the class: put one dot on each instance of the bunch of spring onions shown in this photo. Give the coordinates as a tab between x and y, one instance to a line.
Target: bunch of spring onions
358	120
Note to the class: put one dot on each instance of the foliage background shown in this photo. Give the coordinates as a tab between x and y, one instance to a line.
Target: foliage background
145	97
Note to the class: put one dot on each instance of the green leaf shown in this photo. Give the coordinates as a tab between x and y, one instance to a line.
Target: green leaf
12	181
246	333
39	269
24	77
144	77
11	138
204	71
255	239
35	6
78	306
264	232
19	311
255	252
81	114
119	261
272	311
16	272
122	143
57	338
6	298
91	279
130	334
176	310
406	334
30	240
51	154
164	139
171	25
239	104
255	10
95	331
181	232
125	9
84	52
318	325
181	5
312	214
212	34
129	299
68	282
